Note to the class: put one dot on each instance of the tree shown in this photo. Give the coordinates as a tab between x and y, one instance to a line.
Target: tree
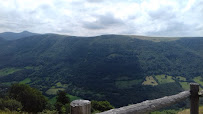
62	98
31	98
62	102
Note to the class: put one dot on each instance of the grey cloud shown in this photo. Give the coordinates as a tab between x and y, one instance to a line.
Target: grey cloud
162	13
64	16
93	26
103	21
109	19
173	29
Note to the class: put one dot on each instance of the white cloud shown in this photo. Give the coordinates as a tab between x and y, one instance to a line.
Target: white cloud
96	17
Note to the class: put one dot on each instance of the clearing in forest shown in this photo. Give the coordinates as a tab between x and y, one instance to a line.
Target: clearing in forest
149	80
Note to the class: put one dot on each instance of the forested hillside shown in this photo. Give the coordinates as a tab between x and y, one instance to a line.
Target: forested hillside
118	68
14	36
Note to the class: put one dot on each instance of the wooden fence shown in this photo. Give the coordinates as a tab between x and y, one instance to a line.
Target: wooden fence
84	106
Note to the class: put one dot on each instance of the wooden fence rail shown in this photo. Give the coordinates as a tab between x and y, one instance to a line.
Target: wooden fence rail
84	106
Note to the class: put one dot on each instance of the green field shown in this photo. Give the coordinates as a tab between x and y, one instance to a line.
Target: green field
72	98
180	78
198	80
57	87
53	91
7	71
32	67
149	80
25	81
162	79
9	83
29	67
59	84
185	85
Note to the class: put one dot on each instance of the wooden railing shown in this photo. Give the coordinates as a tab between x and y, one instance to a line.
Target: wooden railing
84	106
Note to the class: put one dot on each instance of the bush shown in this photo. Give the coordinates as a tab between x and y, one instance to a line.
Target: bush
101	106
31	98
10	104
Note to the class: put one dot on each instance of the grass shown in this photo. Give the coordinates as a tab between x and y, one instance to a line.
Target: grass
7	83
7	71
185	85
149	80
127	83
180	78
199	80
72	98
162	79
187	111
52	100
53	91
25	81
57	87
29	67
59	84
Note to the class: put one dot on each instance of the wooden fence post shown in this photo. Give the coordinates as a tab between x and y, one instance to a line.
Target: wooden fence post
194	98
80	107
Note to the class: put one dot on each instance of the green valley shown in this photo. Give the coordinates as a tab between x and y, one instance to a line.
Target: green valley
121	69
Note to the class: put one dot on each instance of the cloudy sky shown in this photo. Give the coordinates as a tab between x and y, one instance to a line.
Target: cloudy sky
96	17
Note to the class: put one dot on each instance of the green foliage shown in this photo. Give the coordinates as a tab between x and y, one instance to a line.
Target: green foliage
198	80
10	104
62	102
101	106
127	83
185	85
62	98
164	79
31	98
58	106
25	81
7	71
72	98
90	66
65	108
53	91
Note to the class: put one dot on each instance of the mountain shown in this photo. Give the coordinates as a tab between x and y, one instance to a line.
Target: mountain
119	68
2	40
14	36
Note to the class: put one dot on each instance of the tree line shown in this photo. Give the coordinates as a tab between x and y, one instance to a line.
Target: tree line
23	98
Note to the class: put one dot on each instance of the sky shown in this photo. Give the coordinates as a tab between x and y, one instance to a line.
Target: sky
173	18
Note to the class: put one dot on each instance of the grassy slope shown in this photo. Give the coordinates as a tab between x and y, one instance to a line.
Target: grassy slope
162	79
7	71
25	81
149	80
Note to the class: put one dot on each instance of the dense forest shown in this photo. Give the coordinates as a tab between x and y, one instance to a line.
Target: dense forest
118	68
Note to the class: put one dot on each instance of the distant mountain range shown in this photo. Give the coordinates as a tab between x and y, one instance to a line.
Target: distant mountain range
14	36
122	69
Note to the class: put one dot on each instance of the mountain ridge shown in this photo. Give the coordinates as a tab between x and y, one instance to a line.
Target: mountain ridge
107	67
14	36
